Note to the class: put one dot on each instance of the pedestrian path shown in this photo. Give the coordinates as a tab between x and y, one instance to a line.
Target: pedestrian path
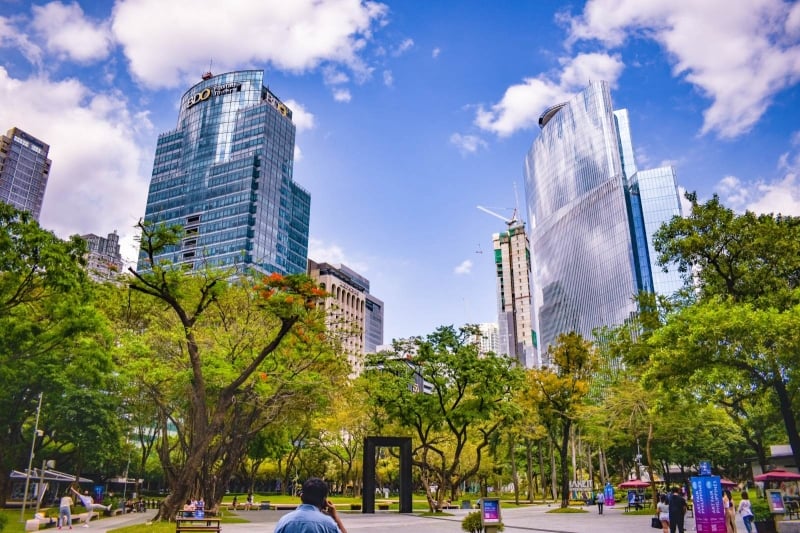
520	520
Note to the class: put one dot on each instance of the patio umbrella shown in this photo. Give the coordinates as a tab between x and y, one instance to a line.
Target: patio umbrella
727	483
778	474
634	484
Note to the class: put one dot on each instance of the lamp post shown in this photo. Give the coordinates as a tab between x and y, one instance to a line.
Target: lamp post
36	433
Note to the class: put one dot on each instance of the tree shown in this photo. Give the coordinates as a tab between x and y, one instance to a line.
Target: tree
559	393
53	342
749	265
223	357
465	401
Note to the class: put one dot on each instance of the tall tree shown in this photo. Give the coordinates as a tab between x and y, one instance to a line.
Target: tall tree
465	401
223	357
746	270
560	392
52	339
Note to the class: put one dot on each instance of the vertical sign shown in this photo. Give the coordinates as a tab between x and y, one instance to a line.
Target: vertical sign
709	515
609	494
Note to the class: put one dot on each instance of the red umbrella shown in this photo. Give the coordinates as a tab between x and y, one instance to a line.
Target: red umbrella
727	483
634	484
778	474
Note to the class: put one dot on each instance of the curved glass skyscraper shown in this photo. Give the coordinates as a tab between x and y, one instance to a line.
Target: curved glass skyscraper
588	235
225	175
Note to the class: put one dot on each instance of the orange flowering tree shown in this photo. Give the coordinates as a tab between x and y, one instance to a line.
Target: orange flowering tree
224	355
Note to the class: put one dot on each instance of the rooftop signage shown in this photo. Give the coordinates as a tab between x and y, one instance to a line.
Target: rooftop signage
214	90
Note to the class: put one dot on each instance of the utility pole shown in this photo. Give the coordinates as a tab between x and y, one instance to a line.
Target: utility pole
36	433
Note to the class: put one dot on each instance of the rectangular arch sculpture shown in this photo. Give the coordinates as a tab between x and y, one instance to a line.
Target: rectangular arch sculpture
368	497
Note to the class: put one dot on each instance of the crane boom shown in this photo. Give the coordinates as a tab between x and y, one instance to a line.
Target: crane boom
508	221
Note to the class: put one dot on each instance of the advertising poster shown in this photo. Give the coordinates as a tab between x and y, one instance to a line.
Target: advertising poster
608	492
709	515
776	501
491	511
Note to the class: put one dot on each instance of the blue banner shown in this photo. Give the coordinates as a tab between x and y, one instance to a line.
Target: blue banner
608	492
709	514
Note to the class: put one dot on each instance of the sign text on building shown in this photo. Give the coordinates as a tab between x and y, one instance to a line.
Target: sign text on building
214	90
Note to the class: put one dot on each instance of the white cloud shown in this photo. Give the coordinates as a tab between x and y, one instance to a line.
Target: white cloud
780	195
739	54
435	53
388	78
69	34
333	76
294	36
464	268
332	253
342	95
522	104
403	47
467	144
11	36
302	118
98	181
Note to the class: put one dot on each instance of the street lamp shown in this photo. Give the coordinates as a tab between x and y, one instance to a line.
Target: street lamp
36	433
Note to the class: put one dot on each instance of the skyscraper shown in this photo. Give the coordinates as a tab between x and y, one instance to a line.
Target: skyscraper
24	169
592	215
225	175
516	335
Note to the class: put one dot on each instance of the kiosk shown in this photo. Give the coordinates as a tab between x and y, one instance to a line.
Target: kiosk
490	514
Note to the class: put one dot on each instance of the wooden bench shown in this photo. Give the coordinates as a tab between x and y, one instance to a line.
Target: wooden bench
197	524
283	506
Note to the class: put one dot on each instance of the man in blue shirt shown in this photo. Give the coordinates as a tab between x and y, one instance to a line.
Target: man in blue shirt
315	515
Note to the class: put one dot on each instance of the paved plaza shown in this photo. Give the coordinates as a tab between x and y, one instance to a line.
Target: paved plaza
533	518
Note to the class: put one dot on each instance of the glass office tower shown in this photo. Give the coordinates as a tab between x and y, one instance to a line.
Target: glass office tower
225	175
590	235
24	170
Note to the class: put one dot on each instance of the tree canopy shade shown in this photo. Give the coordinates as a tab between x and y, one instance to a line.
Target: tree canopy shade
747	270
223	356
468	399
52	341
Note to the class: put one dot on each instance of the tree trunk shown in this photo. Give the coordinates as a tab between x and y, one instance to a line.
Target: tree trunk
788	414
529	467
512	457
553	475
564	473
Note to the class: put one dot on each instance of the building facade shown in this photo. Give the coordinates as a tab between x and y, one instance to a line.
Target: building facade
592	215
516	334
353	316
103	260
225	174
488	339
24	170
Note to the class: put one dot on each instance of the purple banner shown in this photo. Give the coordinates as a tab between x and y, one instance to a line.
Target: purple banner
709	514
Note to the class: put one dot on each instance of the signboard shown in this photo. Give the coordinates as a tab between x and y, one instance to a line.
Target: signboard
214	90
709	514
775	499
608	493
581	490
705	468
490	511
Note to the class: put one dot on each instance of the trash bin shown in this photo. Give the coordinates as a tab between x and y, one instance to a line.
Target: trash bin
466	504
263	506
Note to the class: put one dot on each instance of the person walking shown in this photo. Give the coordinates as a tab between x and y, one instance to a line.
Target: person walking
677	511
730	512
315	515
600	500
65	511
746	510
663	512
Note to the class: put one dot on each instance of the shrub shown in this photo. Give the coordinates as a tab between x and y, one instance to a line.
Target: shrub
3	520
472	523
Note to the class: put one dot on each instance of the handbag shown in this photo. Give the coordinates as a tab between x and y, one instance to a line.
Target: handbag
655	523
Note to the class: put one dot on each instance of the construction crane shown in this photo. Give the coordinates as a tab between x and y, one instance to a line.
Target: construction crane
513	221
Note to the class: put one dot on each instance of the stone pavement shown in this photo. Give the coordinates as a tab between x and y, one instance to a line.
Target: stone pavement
524	519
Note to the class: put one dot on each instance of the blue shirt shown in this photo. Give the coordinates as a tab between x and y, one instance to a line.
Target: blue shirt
306	518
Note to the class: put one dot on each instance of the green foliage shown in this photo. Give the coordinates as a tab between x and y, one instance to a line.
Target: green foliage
760	508
472	523
3	521
468	403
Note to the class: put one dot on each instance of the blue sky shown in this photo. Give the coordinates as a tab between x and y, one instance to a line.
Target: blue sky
409	113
